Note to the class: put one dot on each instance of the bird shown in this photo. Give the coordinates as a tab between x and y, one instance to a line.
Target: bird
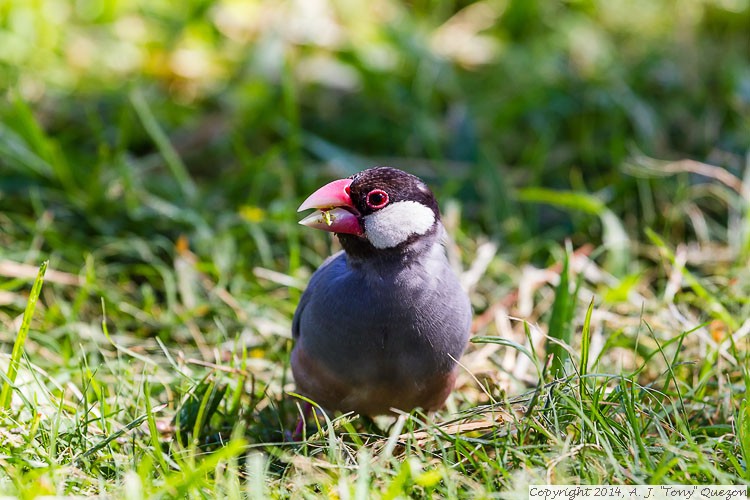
382	323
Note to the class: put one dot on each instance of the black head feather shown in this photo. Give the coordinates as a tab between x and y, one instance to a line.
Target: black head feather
400	186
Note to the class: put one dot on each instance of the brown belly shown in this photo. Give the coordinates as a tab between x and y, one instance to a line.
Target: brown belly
322	385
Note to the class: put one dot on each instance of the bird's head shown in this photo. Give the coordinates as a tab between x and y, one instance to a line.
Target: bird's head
382	207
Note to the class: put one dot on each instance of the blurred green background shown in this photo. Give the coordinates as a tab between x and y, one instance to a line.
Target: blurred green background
262	99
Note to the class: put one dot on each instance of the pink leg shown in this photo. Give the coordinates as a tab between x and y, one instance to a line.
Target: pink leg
306	412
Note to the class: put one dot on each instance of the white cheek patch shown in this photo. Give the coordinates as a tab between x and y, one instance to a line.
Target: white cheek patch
395	223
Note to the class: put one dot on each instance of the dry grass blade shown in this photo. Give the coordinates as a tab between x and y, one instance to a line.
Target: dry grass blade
12	269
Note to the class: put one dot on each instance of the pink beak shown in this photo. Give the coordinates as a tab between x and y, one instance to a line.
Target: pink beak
336	212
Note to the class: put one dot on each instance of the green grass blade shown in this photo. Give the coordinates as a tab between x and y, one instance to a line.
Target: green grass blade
23	332
585	347
614	236
560	321
508	343
45	146
119	433
716	307
179	483
743	434
257	470
17	154
152	429
562	199
172	159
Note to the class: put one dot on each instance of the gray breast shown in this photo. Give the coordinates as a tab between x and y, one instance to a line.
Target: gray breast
384	323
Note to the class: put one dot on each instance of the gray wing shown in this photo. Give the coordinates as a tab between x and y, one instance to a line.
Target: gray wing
309	291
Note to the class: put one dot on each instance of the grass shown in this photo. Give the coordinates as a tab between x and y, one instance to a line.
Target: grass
155	156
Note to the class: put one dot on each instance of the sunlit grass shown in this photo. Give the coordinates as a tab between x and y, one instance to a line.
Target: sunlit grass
155	156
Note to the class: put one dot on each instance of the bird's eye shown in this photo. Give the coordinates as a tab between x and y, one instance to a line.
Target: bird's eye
377	198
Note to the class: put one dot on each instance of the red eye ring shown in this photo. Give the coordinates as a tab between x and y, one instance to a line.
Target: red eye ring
377	198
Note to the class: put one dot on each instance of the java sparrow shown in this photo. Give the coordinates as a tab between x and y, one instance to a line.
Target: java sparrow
382	323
